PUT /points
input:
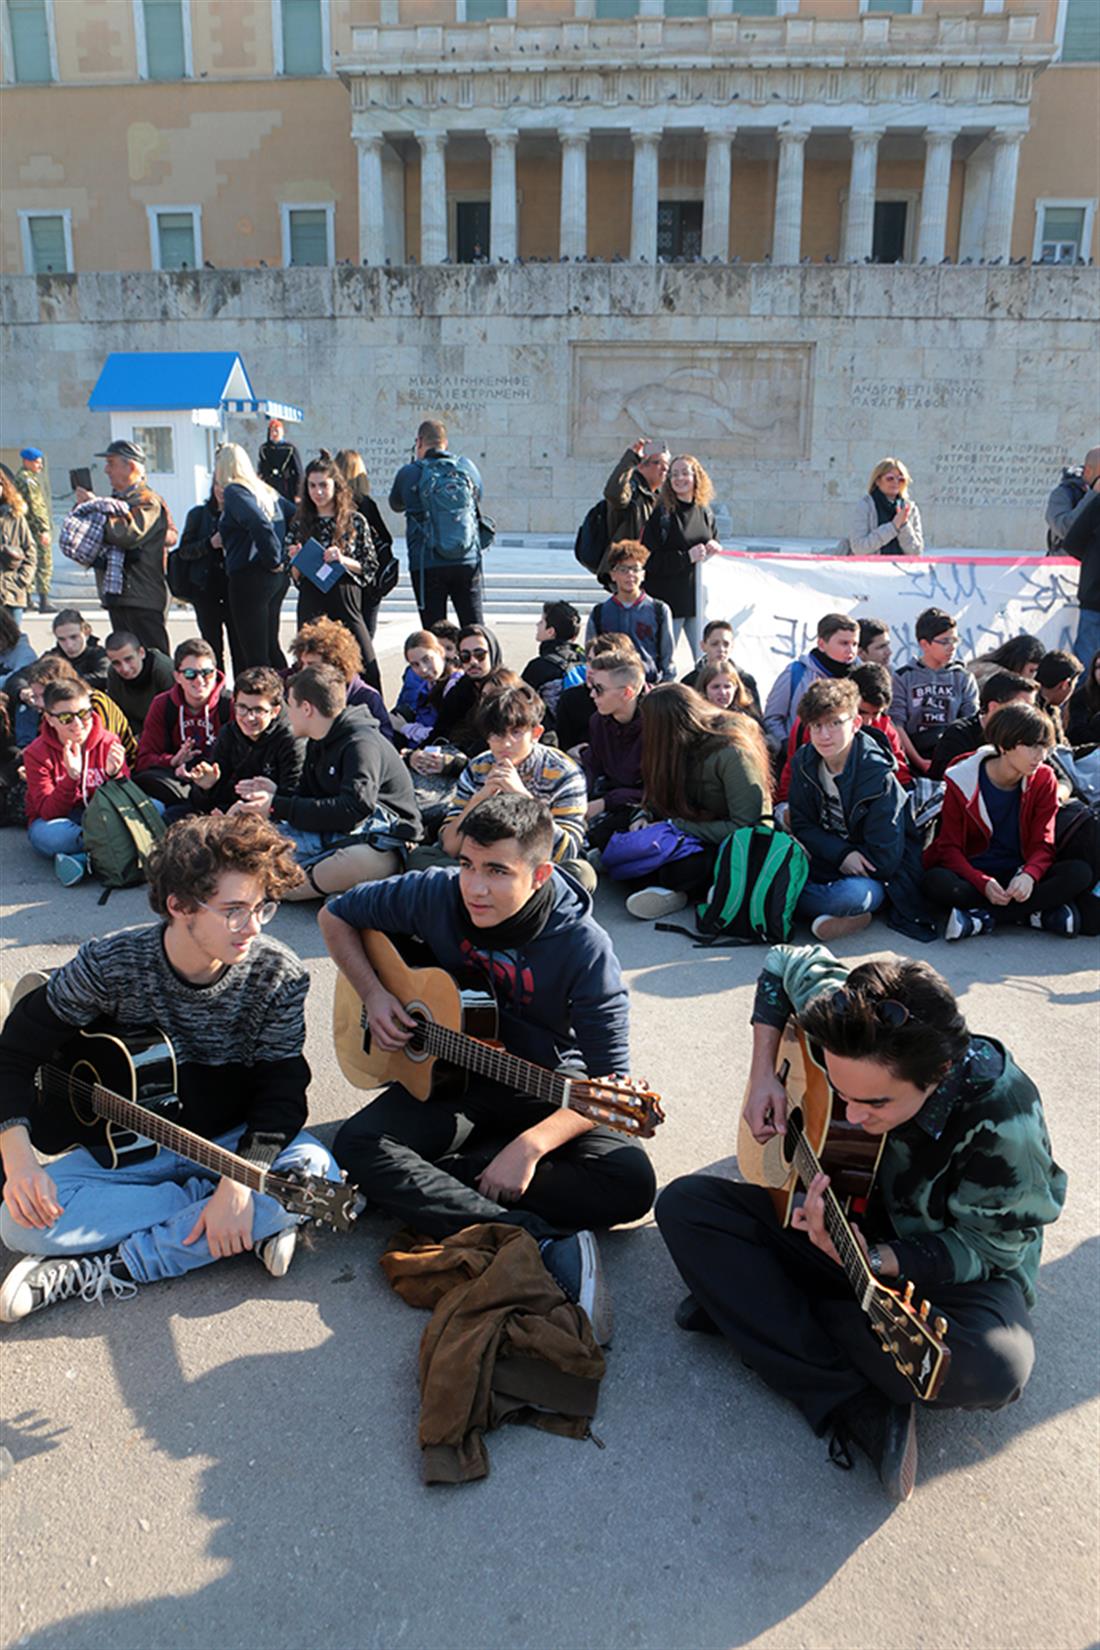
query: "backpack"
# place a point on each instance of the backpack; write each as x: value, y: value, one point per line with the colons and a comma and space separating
x: 593, y: 539
x: 758, y: 875
x: 447, y: 498
x: 630, y: 854
x: 121, y: 824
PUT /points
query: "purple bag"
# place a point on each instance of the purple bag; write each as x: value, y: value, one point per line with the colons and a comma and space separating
x: 631, y: 854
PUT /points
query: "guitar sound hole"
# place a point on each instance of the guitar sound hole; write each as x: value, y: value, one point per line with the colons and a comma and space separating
x: 83, y: 1072
x: 415, y: 1049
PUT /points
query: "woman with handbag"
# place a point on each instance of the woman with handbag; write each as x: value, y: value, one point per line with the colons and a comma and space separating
x: 706, y: 773
x: 252, y: 527
x: 354, y: 471
x: 196, y: 572
x: 327, y: 515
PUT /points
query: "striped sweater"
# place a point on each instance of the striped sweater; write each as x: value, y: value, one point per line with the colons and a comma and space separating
x: 552, y: 777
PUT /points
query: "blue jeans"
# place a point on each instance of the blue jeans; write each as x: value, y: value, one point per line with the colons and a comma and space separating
x: 1088, y: 634
x: 147, y: 1209
x: 17, y: 615
x: 57, y: 836
x: 310, y: 846
x: 846, y: 897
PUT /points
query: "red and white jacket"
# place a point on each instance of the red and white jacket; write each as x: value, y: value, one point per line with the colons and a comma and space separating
x: 52, y: 792
x: 171, y: 721
x: 964, y: 828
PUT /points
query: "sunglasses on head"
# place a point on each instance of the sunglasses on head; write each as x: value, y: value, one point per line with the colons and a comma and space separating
x: 67, y: 717
x: 192, y: 671
x: 886, y: 1010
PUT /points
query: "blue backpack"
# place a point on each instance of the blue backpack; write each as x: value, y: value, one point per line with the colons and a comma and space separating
x: 449, y: 502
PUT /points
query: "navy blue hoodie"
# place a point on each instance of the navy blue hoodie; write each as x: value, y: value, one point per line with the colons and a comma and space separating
x: 561, y: 998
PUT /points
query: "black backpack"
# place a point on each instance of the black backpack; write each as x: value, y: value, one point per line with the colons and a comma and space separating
x: 591, y: 543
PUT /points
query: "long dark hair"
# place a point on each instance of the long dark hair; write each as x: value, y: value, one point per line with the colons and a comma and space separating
x: 344, y: 511
x: 1092, y: 686
x: 1017, y: 652
x: 679, y: 729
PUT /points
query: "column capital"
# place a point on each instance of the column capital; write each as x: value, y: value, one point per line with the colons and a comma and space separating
x: 868, y: 134
x: 366, y: 142
x: 641, y: 135
x: 570, y: 139
x: 941, y: 134
x: 719, y: 134
x: 503, y: 137
x: 432, y: 139
x: 1005, y: 138
x: 793, y: 134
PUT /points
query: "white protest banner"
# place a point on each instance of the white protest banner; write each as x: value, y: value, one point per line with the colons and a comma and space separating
x: 775, y: 602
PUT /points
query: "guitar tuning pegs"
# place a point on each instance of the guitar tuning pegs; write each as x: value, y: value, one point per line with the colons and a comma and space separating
x: 924, y: 1310
x: 940, y: 1326
x: 908, y: 1295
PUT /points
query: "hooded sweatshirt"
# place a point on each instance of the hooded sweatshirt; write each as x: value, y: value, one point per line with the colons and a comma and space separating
x: 1073, y: 523
x: 612, y: 760
x: 134, y: 697
x: 172, y: 721
x: 275, y: 755
x: 52, y: 793
x: 878, y: 821
x: 456, y: 719
x: 345, y: 776
x: 547, y: 674
x: 561, y: 996
x: 927, y: 701
x: 964, y: 829
x: 782, y: 703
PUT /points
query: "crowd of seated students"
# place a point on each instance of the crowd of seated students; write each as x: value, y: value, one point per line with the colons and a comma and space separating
x: 603, y: 735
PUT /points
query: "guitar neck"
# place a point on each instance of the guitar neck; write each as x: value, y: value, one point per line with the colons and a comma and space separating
x: 836, y: 1224
x: 171, y: 1136
x: 459, y: 1049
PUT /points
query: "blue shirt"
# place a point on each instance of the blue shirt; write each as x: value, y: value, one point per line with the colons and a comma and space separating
x: 1004, y: 856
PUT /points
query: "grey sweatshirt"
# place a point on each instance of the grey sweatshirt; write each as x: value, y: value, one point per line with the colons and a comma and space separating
x: 927, y: 701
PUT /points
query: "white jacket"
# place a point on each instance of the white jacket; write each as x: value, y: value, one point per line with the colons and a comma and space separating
x: 867, y: 538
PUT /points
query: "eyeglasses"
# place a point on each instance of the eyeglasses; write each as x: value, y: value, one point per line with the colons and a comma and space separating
x: 238, y: 917
x: 474, y: 653
x: 67, y: 717
x: 197, y: 670
x: 254, y: 710
x: 886, y: 1010
x: 836, y: 726
x: 627, y: 567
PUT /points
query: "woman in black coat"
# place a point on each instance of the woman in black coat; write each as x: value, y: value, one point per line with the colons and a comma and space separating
x: 252, y: 528
x: 679, y: 533
x: 326, y: 513
x: 197, y: 572
x: 354, y: 471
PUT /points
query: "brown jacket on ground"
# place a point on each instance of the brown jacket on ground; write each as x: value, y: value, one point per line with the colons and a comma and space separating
x: 503, y: 1345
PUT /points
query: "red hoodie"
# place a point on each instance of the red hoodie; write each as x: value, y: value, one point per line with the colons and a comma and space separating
x: 51, y: 791
x: 800, y: 733
x: 171, y: 721
x: 964, y: 827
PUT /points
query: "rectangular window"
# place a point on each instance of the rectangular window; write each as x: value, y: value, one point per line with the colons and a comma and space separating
x: 616, y: 8
x: 165, y: 54
x: 307, y: 234
x: 303, y: 37
x: 685, y: 8
x: 1062, y: 235
x: 1081, y: 33
x: 679, y: 229
x: 48, y: 252
x: 755, y: 8
x: 175, y: 240
x: 30, y: 41
x: 903, y: 6
x: 484, y: 11
x: 159, y: 451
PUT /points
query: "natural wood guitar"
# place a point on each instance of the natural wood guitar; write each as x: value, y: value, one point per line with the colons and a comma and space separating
x: 456, y: 1030
x: 819, y: 1139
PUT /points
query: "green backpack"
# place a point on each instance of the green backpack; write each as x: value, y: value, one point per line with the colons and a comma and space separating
x: 758, y: 875
x: 120, y: 826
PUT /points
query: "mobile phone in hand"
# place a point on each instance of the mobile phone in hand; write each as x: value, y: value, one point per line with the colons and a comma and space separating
x: 81, y: 478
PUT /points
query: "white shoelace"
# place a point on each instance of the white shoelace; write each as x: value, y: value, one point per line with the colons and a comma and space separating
x: 87, y: 1276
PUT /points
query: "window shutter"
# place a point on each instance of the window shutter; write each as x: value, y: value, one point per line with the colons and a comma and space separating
x: 309, y: 237
x: 1081, y: 39
x: 905, y: 7
x: 754, y: 8
x: 303, y: 51
x: 164, y: 55
x: 176, y: 235
x: 30, y: 41
x: 481, y: 11
x: 685, y: 8
x: 616, y: 8
x: 48, y: 245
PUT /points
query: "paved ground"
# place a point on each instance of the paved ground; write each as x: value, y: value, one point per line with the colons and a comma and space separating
x: 232, y: 1461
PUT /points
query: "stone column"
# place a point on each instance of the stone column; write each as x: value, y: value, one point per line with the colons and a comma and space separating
x: 859, y: 231
x: 787, y: 238
x: 643, y: 211
x: 502, y: 207
x: 932, y: 240
x: 433, y: 196
x: 372, y: 214
x: 1002, y: 195
x: 716, y: 195
x: 573, y: 242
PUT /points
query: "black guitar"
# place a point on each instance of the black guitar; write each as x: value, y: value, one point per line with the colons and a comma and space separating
x: 114, y: 1092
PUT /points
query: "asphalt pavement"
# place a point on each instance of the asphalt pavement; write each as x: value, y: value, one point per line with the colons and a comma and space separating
x: 232, y: 1460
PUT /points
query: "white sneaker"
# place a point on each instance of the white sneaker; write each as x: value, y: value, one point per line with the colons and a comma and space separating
x: 277, y: 1252
x: 42, y: 1280
x: 650, y: 903
x: 835, y: 928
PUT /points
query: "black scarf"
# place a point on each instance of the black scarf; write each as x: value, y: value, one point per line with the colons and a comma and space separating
x: 885, y: 508
x: 831, y: 667
x: 517, y: 931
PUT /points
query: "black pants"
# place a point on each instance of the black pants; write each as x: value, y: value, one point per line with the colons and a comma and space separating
x: 418, y: 1160
x: 145, y: 623
x: 163, y: 785
x: 691, y: 875
x: 214, y: 622
x: 344, y: 604
x: 1063, y: 882
x: 791, y: 1315
x: 255, y: 608
x: 461, y: 582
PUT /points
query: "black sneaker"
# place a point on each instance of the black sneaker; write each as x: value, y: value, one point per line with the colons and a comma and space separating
x: 43, y: 1280
x: 694, y: 1318
x: 574, y: 1264
x: 886, y: 1433
x: 1060, y: 919
x: 963, y: 925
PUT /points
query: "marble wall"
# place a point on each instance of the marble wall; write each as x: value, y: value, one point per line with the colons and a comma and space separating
x: 787, y: 384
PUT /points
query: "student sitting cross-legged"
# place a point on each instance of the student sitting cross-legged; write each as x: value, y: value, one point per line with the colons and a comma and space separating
x: 68, y: 762
x: 517, y: 764
x: 257, y: 743
x: 992, y: 860
x: 560, y: 662
x: 232, y: 1003
x: 502, y: 920
x: 182, y: 724
x: 834, y: 655
x: 852, y: 816
x: 353, y: 808
x: 612, y: 758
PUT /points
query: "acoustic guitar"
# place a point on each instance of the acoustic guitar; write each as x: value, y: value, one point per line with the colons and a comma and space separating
x: 819, y: 1139
x: 456, y: 1031
x: 114, y: 1092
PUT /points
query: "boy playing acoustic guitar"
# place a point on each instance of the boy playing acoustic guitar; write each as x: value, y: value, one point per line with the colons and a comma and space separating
x: 965, y: 1185
x: 232, y: 1003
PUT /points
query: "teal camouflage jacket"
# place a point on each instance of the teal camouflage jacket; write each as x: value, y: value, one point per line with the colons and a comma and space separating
x: 967, y: 1185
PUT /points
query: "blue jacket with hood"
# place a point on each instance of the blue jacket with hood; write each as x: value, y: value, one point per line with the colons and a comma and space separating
x: 561, y: 998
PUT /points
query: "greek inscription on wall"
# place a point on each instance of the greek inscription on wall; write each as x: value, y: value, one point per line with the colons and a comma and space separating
x: 462, y: 396
x: 993, y: 472
x: 918, y: 396
x: 732, y: 401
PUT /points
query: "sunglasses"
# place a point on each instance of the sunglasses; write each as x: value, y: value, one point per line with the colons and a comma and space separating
x: 68, y: 717
x: 886, y: 1010
x: 193, y: 671
x: 475, y: 653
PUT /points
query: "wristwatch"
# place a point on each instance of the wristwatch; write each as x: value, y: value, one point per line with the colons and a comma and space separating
x: 874, y: 1259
